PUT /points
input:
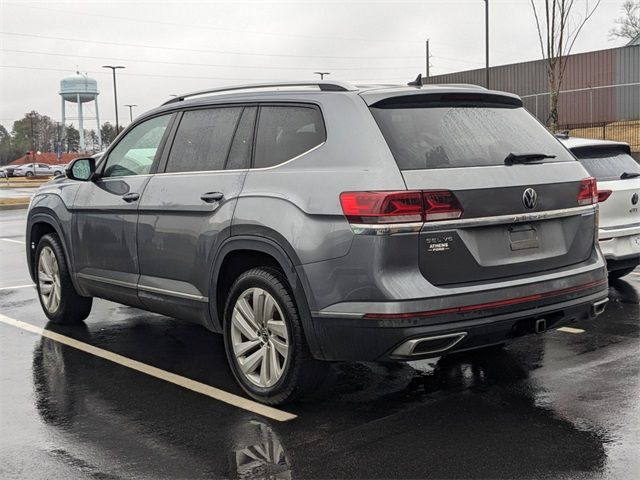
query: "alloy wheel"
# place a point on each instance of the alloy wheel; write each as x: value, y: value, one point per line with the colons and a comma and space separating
x: 259, y: 337
x: 49, y: 279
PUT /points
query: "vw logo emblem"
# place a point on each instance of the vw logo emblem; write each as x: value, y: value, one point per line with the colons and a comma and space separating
x: 634, y: 199
x: 530, y: 198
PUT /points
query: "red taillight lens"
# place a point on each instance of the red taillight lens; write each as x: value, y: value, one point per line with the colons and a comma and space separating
x: 382, y: 207
x: 588, y: 193
x: 603, y: 195
x: 400, y: 206
x: 441, y: 205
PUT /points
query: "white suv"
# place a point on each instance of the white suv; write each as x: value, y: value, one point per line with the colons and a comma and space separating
x: 618, y: 176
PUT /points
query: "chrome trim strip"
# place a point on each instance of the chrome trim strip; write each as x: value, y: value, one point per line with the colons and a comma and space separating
x: 162, y: 291
x: 172, y: 293
x: 237, y: 170
x: 407, y: 348
x: 511, y: 218
x: 110, y: 281
x: 385, y: 229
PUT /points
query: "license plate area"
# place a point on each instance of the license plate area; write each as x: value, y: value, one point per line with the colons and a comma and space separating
x: 523, y: 237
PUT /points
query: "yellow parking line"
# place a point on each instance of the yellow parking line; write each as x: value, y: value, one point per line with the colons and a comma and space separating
x: 16, y: 287
x: 570, y: 330
x: 204, y: 389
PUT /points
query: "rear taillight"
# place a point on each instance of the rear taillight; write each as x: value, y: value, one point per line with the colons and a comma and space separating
x: 603, y: 195
x: 441, y: 205
x: 588, y: 193
x: 400, y: 206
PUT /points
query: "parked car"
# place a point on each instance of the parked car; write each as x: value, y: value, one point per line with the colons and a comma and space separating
x: 314, y: 222
x: 618, y: 176
x: 38, y: 169
x: 7, y: 171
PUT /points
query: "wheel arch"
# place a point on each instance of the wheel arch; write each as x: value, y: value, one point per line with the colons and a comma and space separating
x: 262, y: 249
x: 41, y: 223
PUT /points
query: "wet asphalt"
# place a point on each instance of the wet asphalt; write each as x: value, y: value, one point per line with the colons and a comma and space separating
x: 558, y: 405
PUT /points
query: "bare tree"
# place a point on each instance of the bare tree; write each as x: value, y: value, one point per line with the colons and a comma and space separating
x: 628, y: 25
x: 558, y: 31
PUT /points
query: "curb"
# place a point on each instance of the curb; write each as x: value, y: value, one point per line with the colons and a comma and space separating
x: 15, y: 206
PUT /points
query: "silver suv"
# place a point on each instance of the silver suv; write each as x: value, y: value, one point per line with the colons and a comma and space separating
x: 315, y: 222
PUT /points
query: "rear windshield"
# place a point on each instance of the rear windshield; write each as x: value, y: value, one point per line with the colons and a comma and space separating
x: 462, y: 135
x: 607, y: 164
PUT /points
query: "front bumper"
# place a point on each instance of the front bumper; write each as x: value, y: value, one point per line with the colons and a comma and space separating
x: 401, y: 339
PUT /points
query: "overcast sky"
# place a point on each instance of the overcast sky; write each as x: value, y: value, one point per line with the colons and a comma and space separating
x: 171, y: 47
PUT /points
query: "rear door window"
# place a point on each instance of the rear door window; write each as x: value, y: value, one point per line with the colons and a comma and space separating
x: 607, y: 164
x: 203, y: 139
x: 240, y: 153
x: 285, y: 132
x: 428, y: 135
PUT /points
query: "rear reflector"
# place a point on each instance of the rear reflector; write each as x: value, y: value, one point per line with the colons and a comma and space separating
x: 603, y: 195
x: 400, y: 206
x: 487, y: 306
x: 588, y: 193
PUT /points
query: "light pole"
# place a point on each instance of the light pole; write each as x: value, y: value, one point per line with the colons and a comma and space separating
x: 131, y: 111
x: 486, y: 41
x: 322, y: 74
x: 115, y: 91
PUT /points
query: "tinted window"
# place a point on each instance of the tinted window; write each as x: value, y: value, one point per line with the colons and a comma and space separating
x: 240, y: 153
x: 286, y: 132
x: 134, y: 154
x: 203, y: 139
x: 462, y: 135
x: 607, y: 164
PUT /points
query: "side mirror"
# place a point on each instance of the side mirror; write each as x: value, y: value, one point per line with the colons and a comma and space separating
x: 81, y: 169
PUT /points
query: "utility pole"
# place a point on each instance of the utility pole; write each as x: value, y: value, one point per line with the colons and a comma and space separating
x: 322, y: 74
x: 486, y: 40
x: 115, y: 92
x: 33, y: 144
x: 131, y: 111
x: 427, y: 59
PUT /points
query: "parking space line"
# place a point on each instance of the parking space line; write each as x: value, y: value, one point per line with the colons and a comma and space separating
x: 570, y: 330
x: 16, y: 287
x: 204, y: 389
x: 12, y: 240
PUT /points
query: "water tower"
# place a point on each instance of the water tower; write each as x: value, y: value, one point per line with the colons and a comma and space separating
x: 80, y: 89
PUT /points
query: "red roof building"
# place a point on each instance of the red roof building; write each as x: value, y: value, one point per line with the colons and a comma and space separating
x: 50, y: 158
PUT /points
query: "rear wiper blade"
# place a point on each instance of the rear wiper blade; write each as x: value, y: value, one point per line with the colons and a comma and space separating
x: 514, y: 158
x: 626, y: 175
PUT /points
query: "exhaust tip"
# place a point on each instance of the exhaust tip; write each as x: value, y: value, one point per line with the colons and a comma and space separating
x: 599, y: 307
x: 428, y: 345
x: 541, y: 325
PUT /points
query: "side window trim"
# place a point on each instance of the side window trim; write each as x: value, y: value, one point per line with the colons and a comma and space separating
x: 164, y: 159
x: 233, y: 137
x: 314, y: 106
x: 159, y: 153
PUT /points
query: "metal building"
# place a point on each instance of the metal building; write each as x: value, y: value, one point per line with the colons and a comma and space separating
x: 598, y: 87
x: 79, y: 89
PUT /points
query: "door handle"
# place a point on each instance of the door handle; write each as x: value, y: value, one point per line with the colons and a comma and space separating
x: 211, y: 197
x: 130, y: 197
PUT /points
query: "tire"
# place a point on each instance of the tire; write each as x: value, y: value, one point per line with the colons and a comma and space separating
x: 56, y: 173
x: 616, y: 274
x: 28, y: 174
x: 264, y: 369
x: 61, y: 303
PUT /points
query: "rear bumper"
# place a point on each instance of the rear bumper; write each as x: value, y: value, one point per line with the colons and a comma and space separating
x: 411, y: 338
x: 621, y: 250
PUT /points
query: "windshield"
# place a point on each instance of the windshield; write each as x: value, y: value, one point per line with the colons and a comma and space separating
x: 463, y: 135
x: 607, y: 164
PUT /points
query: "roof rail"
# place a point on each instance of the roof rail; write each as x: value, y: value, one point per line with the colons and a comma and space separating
x: 329, y: 86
